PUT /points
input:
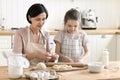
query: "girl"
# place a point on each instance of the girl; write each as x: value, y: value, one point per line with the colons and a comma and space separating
x: 71, y: 43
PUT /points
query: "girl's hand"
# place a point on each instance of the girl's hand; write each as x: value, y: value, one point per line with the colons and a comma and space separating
x: 78, y: 60
x: 67, y: 59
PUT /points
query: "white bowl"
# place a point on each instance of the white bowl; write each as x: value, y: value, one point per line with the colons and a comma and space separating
x: 95, y: 67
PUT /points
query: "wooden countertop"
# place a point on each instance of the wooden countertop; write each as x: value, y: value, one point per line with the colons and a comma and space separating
x: 7, y: 32
x: 112, y: 73
x: 103, y: 31
x: 53, y: 32
x: 98, y: 31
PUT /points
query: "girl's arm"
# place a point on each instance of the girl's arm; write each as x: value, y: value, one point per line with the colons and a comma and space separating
x: 86, y: 53
x: 61, y: 56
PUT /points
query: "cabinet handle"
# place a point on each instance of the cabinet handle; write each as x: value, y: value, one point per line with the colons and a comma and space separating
x: 103, y: 36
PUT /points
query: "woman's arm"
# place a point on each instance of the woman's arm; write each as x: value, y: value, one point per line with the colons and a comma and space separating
x: 43, y: 56
x: 18, y: 43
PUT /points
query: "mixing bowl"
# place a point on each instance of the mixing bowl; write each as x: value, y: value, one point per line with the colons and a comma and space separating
x: 95, y: 67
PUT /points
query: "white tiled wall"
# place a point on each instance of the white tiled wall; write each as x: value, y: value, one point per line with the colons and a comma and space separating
x: 14, y: 12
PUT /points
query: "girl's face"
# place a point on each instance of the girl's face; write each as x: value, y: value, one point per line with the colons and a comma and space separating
x: 72, y: 25
x: 38, y: 21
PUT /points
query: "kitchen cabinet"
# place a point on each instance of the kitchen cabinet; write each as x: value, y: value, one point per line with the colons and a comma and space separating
x: 118, y: 47
x: 5, y: 42
x: 97, y: 43
x: 101, y: 42
x: 5, y: 45
x: 106, y: 42
x: 91, y: 45
x: 3, y: 60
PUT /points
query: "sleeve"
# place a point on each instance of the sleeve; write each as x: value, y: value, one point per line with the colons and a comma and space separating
x: 59, y: 36
x: 85, y: 38
x: 18, y: 43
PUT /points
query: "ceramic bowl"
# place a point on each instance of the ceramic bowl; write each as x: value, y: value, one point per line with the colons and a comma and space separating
x: 95, y: 67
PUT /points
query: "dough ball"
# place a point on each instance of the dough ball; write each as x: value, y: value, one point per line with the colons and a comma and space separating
x: 41, y: 66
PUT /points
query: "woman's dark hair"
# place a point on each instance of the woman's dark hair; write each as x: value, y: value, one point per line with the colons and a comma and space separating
x: 35, y: 10
x: 72, y: 14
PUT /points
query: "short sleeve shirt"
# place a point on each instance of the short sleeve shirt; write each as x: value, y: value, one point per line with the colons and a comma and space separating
x: 64, y: 34
x: 21, y: 40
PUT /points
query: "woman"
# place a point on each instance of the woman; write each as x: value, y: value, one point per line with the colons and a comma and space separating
x: 32, y: 41
x: 71, y: 43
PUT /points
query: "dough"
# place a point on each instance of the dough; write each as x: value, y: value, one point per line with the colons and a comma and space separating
x: 41, y: 66
x: 62, y: 67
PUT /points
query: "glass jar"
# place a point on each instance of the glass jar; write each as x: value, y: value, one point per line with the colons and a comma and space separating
x: 15, y: 66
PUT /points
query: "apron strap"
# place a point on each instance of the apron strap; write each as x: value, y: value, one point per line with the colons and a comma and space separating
x: 28, y: 34
x: 44, y: 37
x: 63, y: 36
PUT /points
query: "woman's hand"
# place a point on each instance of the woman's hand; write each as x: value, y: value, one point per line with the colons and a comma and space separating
x: 54, y: 57
x: 44, y: 56
x: 39, y: 55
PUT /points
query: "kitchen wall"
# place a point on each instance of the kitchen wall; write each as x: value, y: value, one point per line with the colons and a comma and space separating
x: 13, y: 12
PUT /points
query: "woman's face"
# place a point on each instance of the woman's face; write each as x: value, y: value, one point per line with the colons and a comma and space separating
x: 72, y: 25
x: 38, y: 21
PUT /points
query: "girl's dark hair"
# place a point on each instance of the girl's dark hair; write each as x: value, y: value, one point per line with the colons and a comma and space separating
x: 72, y: 14
x: 35, y: 10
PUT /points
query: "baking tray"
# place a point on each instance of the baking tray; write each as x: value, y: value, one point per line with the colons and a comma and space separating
x: 73, y: 69
x: 50, y: 64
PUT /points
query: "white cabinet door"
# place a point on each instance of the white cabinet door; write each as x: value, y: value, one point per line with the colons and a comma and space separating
x: 5, y: 42
x: 91, y: 45
x: 118, y: 48
x: 3, y: 60
x: 5, y: 45
x: 97, y: 43
x: 105, y: 42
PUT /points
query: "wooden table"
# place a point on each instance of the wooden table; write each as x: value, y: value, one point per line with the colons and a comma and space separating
x: 113, y: 73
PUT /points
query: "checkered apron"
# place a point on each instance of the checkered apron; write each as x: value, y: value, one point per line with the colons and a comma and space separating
x: 72, y: 48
